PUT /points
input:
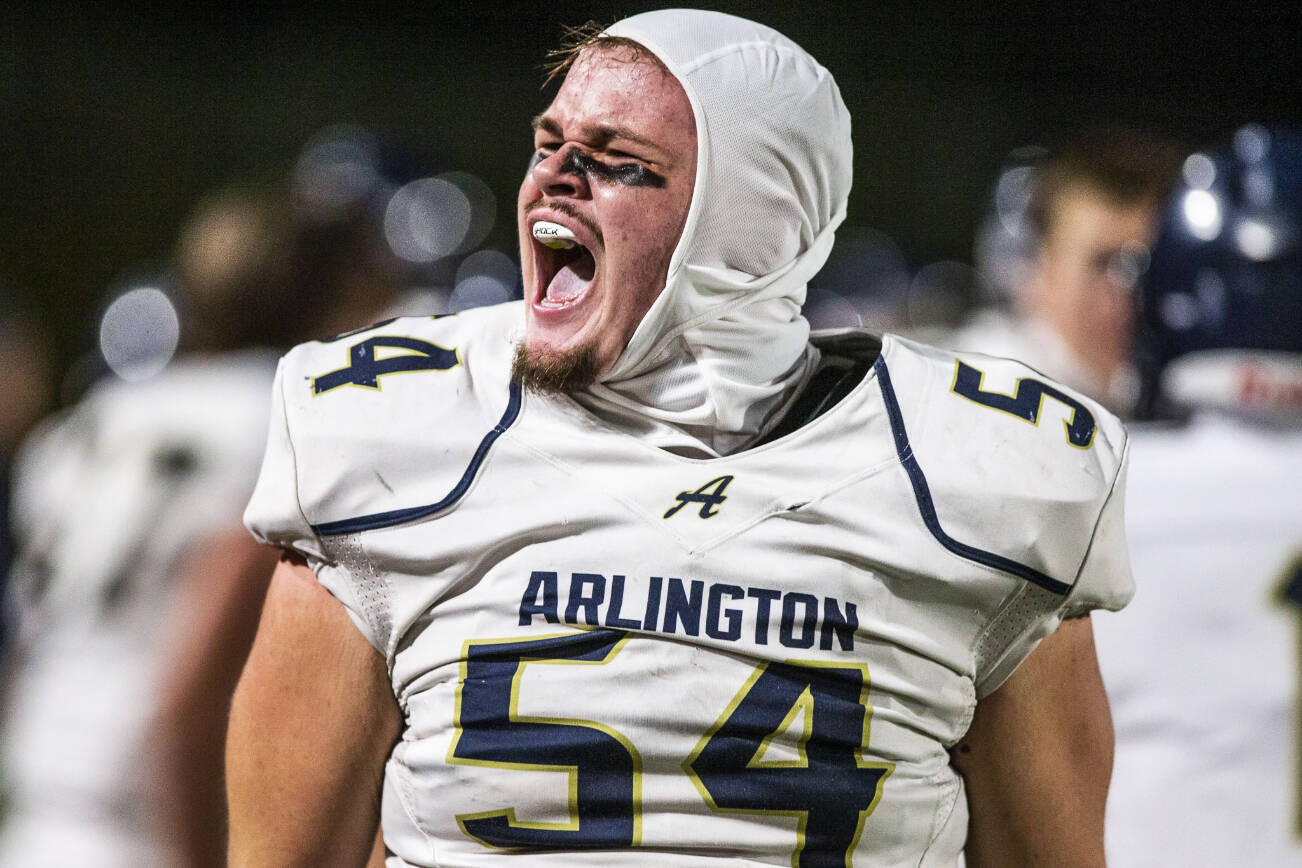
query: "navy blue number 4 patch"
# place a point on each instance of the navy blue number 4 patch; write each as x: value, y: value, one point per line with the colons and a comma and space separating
x: 365, y: 368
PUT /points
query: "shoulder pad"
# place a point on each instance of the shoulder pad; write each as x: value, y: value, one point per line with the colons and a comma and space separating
x: 1008, y: 462
x: 390, y: 416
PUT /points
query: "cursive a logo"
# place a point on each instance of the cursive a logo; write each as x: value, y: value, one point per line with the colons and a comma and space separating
x: 709, y: 496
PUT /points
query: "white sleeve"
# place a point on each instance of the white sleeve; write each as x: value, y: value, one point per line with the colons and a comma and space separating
x: 275, y: 513
x: 1105, y: 580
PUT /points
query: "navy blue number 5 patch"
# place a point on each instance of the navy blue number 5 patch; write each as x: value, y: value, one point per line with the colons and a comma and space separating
x: 1027, y: 402
x: 366, y: 366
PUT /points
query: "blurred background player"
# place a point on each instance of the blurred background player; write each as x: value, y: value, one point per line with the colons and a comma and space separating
x: 26, y: 361
x: 112, y: 500
x: 1067, y: 239
x: 1202, y: 669
x: 136, y: 590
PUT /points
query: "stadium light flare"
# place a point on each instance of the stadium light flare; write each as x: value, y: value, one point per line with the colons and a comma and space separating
x: 139, y: 332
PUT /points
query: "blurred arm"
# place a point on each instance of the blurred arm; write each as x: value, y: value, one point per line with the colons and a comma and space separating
x: 220, y: 587
x: 312, y: 724
x: 1037, y: 760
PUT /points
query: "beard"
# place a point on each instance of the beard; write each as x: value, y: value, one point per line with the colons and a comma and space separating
x: 549, y: 372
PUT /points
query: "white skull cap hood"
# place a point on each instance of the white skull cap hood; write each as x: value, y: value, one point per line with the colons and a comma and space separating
x: 724, y: 346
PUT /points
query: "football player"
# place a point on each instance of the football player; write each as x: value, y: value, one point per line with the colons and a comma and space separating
x: 112, y: 709
x: 1067, y: 243
x: 26, y: 357
x: 136, y: 589
x: 1202, y: 670
x: 637, y: 572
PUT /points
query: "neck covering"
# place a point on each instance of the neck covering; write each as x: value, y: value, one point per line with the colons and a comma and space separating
x: 724, y: 348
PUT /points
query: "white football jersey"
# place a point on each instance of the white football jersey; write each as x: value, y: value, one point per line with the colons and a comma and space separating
x: 1202, y: 670
x: 610, y: 654
x: 108, y: 498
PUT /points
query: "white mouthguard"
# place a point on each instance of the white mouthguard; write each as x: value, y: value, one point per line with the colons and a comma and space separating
x: 554, y: 235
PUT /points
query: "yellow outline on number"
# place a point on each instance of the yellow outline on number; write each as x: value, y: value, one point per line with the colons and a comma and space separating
x: 1017, y: 388
x: 801, y: 816
x: 515, y: 717
x: 803, y: 704
x: 406, y: 352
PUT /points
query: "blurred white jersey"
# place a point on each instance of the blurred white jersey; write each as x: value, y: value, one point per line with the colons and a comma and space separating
x: 109, y: 497
x: 1202, y: 669
x: 1029, y: 340
x: 608, y: 654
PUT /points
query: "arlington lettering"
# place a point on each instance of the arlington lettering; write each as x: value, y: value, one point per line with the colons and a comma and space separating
x: 722, y: 611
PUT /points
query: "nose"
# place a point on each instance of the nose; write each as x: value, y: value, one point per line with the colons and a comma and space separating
x: 559, y: 174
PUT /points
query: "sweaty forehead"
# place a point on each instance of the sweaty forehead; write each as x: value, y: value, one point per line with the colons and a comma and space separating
x: 621, y: 58
x: 619, y: 92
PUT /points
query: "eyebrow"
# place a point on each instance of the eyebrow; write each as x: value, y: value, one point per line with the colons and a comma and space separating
x: 601, y: 133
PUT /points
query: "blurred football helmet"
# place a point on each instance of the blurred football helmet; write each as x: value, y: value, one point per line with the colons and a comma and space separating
x: 1221, y: 317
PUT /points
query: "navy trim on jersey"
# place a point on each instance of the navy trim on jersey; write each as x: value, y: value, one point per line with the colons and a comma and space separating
x: 928, y: 508
x: 411, y: 513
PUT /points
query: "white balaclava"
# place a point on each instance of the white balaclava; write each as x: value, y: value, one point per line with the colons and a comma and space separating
x: 724, y: 348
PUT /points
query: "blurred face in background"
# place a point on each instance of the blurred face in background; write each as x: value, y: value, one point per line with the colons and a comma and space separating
x: 1086, y: 274
x: 615, y: 163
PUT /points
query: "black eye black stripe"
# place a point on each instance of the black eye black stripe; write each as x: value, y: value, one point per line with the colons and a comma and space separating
x: 627, y: 174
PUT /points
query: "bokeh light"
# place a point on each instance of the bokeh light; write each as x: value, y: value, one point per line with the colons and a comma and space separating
x: 139, y: 332
x: 1202, y: 214
x: 432, y: 218
x: 1256, y: 239
x: 1199, y: 171
x: 484, y: 277
x: 1252, y: 143
x: 427, y: 219
x: 483, y: 208
x: 1259, y: 186
x: 337, y: 170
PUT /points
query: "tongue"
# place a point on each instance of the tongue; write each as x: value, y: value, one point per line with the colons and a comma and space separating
x: 566, y: 286
x: 570, y: 282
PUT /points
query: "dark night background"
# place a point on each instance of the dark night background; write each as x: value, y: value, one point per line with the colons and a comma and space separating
x: 115, y: 120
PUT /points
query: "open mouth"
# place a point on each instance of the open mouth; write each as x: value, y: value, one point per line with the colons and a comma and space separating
x: 564, y: 275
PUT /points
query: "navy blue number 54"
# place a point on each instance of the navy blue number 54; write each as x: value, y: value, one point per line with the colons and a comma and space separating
x: 790, y: 743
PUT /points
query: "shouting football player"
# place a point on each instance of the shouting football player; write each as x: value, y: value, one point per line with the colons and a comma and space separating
x: 638, y: 571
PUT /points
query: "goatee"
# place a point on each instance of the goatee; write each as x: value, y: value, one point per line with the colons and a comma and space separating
x: 548, y: 372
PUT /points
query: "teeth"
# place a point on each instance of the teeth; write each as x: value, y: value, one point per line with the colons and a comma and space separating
x: 554, y: 235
